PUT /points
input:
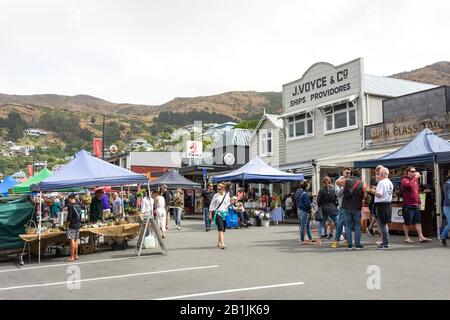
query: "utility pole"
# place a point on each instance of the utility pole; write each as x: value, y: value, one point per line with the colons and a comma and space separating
x: 103, y: 139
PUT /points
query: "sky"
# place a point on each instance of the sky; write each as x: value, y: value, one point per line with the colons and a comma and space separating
x: 149, y: 52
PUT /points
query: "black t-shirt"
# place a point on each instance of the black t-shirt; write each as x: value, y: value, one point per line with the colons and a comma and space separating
x: 74, y: 216
x: 207, y: 198
x: 167, y: 197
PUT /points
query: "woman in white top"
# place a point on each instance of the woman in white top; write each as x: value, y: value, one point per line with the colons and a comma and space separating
x: 160, y: 208
x: 218, y: 210
x: 147, y: 204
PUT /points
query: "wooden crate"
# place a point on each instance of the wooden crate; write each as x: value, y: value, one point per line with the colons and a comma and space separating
x: 86, y: 248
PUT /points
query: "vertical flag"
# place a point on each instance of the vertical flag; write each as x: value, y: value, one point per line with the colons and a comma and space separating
x: 30, y: 170
x: 97, y: 147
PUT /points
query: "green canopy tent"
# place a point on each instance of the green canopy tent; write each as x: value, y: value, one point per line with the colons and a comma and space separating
x: 14, y: 214
x: 25, y: 186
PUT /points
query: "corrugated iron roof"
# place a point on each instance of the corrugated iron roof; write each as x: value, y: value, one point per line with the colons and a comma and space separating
x: 234, y: 137
x: 391, y: 87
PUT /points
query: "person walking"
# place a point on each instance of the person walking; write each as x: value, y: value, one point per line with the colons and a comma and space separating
x: 160, y: 208
x: 383, y: 199
x: 205, y: 202
x: 340, y: 221
x: 178, y: 203
x: 411, y: 204
x: 326, y: 201
x: 147, y: 204
x: 218, y: 211
x: 304, y: 208
x: 168, y: 198
x: 444, y: 233
x: 74, y: 221
x: 354, y: 193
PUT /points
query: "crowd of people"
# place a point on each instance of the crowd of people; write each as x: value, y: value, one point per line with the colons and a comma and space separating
x: 350, y: 206
x: 342, y: 209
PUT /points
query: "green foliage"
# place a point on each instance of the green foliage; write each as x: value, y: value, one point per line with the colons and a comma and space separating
x: 15, y: 125
x: 275, y: 102
x: 184, y: 118
x: 92, y: 119
x: 66, y: 126
x: 247, y: 124
x: 112, y: 133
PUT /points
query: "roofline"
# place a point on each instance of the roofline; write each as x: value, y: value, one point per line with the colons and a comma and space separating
x: 408, y: 94
x: 322, y: 62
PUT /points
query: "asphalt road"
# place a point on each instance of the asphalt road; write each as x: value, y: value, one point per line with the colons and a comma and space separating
x: 258, y: 263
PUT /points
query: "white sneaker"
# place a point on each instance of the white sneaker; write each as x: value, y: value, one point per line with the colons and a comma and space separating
x: 178, y: 228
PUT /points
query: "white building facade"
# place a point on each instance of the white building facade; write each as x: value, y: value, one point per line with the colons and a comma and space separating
x: 324, y: 117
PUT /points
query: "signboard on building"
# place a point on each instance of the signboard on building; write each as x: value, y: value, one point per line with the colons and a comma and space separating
x: 403, y: 130
x: 194, y: 149
x: 323, y: 83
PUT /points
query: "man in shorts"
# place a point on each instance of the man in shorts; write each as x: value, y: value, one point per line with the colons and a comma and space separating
x: 411, y: 204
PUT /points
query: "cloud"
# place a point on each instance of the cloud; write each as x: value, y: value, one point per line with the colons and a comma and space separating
x: 152, y: 51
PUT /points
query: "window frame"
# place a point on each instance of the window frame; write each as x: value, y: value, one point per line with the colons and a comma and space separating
x: 265, y: 141
x: 309, y: 116
x: 350, y: 106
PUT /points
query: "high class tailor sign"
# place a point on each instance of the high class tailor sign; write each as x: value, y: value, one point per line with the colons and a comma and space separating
x: 321, y: 83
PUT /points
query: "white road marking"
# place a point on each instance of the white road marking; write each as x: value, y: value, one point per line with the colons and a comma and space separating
x: 106, y: 278
x: 233, y: 290
x: 73, y: 263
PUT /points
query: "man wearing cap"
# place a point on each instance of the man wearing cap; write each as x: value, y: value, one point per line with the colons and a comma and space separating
x: 96, y: 207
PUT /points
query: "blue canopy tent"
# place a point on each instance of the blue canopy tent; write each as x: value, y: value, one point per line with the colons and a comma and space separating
x: 425, y: 148
x: 173, y: 179
x: 88, y: 171
x: 7, y: 184
x: 257, y: 171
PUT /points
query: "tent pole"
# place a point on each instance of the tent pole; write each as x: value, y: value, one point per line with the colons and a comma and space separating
x: 121, y: 197
x: 437, y: 190
x: 39, y: 226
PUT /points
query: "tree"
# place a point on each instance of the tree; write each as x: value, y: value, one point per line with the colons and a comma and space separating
x: 92, y: 119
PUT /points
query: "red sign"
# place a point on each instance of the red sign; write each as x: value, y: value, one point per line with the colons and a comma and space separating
x: 30, y: 170
x: 97, y: 147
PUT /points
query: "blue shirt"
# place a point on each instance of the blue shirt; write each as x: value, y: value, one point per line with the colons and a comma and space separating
x: 303, y: 202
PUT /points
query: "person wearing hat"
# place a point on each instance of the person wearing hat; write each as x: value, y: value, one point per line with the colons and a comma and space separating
x: 444, y: 233
x: 96, y: 207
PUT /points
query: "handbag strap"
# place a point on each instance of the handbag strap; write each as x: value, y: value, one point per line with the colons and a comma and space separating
x: 223, y: 199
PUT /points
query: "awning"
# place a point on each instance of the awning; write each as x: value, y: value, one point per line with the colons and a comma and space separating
x: 306, y: 168
x: 347, y: 160
x: 321, y: 105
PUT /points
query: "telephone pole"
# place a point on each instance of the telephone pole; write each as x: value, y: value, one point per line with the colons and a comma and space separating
x: 103, y: 139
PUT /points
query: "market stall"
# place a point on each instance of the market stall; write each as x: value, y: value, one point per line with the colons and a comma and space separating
x: 258, y: 171
x: 87, y: 171
x: 24, y: 187
x: 7, y: 184
x: 424, y: 152
x: 174, y: 180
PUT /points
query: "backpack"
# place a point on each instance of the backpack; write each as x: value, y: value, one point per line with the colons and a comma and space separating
x: 348, y: 193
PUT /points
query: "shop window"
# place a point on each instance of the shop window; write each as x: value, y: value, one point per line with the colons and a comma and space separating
x: 340, y: 117
x: 300, y: 125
